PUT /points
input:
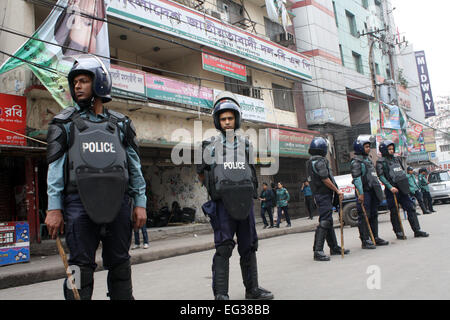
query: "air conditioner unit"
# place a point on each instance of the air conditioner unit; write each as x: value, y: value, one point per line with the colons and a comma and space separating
x: 216, y: 14
x: 285, y: 38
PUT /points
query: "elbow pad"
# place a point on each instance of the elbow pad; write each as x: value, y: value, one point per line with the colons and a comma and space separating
x: 379, y: 168
x: 356, y: 169
x: 321, y: 168
x: 130, y: 134
x: 57, y: 142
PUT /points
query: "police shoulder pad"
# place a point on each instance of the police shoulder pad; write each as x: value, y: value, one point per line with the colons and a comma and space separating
x: 64, y: 115
x: 118, y: 115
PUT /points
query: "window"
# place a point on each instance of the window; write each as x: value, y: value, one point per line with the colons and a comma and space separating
x: 239, y: 87
x: 445, y: 148
x: 365, y: 3
x: 282, y: 98
x: 351, y: 23
x: 358, y: 62
x: 272, y: 29
x: 379, y: 9
x: 335, y: 15
x: 234, y: 11
x: 388, y: 73
x: 342, y: 54
x: 377, y: 69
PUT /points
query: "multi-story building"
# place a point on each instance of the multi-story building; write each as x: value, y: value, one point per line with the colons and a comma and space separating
x: 168, y: 61
x: 354, y: 51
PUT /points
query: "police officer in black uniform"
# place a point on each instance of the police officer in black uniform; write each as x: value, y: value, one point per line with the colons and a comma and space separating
x: 94, y: 179
x: 370, y: 192
x: 228, y: 174
x: 326, y: 195
x: 391, y: 172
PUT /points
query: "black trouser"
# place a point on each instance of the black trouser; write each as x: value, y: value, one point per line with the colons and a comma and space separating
x: 407, y: 205
x: 263, y: 215
x: 419, y: 197
x: 309, y: 206
x: 286, y: 215
x: 428, y: 200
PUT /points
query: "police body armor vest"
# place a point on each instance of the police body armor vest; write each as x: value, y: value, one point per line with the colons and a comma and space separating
x: 396, y: 175
x: 231, y: 179
x: 315, y: 181
x: 370, y: 179
x: 97, y: 167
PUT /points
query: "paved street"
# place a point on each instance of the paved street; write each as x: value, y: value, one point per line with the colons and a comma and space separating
x: 412, y: 269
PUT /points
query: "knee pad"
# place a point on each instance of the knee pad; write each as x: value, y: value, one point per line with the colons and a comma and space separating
x: 84, y: 281
x: 119, y: 282
x: 225, y: 250
x: 326, y: 224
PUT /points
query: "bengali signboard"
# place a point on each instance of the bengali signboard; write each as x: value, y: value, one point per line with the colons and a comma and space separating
x: 127, y: 83
x: 180, y: 21
x: 252, y: 109
x: 224, y: 67
x: 165, y: 89
x: 13, y: 115
x: 425, y: 86
x: 429, y: 139
x: 292, y: 142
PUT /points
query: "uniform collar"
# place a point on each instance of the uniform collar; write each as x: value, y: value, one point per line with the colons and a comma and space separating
x: 89, y: 112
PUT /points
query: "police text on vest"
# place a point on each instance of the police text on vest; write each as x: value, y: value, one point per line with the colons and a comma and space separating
x: 99, y: 147
x: 234, y: 165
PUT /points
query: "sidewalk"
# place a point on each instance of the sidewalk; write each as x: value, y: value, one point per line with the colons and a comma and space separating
x: 164, y: 243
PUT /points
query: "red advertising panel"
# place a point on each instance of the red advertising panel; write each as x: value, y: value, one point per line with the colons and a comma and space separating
x: 13, y: 116
x: 224, y: 67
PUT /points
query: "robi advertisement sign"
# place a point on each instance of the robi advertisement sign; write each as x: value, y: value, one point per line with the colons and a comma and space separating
x: 13, y: 115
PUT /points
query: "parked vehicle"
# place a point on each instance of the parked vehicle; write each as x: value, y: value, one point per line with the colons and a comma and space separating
x: 439, y: 185
x: 349, y: 211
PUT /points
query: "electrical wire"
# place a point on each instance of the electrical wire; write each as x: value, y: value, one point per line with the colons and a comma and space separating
x: 165, y: 70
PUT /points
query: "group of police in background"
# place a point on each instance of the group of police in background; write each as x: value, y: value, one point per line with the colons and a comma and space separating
x: 366, y: 179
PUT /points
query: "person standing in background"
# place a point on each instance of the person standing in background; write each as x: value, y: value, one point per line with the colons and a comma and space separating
x: 309, y: 204
x: 282, y: 204
x: 266, y: 198
x: 425, y: 189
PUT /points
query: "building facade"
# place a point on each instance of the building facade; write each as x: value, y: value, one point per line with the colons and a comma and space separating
x: 168, y: 61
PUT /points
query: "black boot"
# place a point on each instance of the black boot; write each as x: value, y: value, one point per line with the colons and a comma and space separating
x: 420, y: 234
x: 249, y: 272
x: 119, y: 282
x: 220, y: 271
x: 374, y: 226
x: 366, y: 243
x: 86, y: 283
x: 319, y: 242
x: 335, y: 249
x: 413, y: 221
x: 400, y: 235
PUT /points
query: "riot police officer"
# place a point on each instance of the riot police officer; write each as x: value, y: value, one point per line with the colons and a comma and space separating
x: 94, y: 179
x: 369, y: 193
x: 228, y: 173
x: 326, y: 195
x: 391, y: 172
